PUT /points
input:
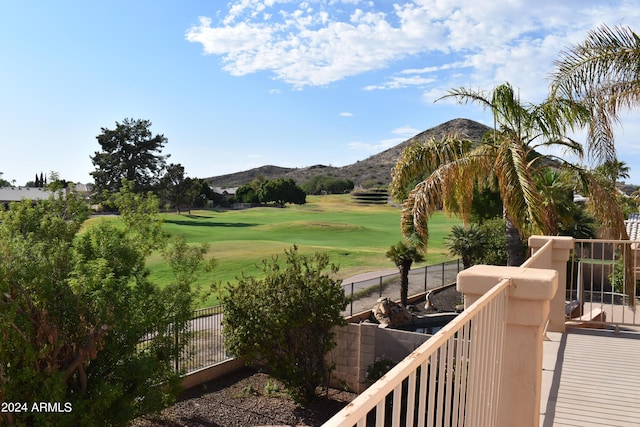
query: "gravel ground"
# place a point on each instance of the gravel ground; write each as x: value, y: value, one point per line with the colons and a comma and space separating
x: 243, y: 399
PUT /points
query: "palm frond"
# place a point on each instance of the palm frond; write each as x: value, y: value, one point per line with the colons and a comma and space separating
x: 603, y: 73
x: 420, y: 159
x: 607, y: 54
x: 448, y: 187
x: 518, y: 190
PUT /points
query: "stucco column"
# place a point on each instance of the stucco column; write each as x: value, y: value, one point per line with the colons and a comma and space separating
x: 530, y: 294
x: 561, y: 251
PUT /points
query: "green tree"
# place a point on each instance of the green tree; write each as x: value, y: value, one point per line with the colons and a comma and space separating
x: 285, y: 321
x: 323, y: 184
x: 469, y: 243
x: 55, y: 183
x: 80, y: 320
x: 613, y: 170
x: 281, y: 191
x: 496, y: 242
x: 403, y: 256
x: 132, y: 152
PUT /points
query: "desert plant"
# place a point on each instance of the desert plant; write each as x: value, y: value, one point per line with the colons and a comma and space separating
x: 469, y: 243
x: 403, y: 256
x: 285, y: 321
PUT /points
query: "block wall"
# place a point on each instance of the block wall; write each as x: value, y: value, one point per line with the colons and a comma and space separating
x: 359, y: 345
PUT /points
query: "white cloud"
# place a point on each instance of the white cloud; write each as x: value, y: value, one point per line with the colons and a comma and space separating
x: 401, y: 82
x: 377, y: 147
x: 407, y: 131
x: 318, y: 42
x: 346, y: 114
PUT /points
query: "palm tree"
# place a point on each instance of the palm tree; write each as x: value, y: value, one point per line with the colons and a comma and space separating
x: 602, y: 72
x: 469, y: 243
x: 403, y: 256
x: 448, y: 170
x: 613, y: 170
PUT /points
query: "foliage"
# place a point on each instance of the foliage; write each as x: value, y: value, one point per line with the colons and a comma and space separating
x: 448, y: 170
x: 496, y: 242
x: 130, y: 151
x: 618, y: 278
x: 281, y: 191
x: 469, y: 243
x: 246, y: 194
x: 76, y: 306
x: 180, y: 191
x: 403, y: 256
x: 601, y: 72
x: 323, y: 184
x: 486, y: 205
x: 285, y: 321
x: 378, y: 368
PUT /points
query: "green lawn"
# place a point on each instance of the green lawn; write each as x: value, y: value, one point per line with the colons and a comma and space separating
x: 355, y: 235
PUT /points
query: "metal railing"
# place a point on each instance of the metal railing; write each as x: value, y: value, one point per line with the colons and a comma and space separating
x: 452, y: 379
x: 364, y: 294
x: 600, y: 275
x: 206, y: 345
x: 206, y: 342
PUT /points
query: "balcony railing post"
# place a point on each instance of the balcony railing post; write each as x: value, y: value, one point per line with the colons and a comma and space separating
x: 560, y: 248
x: 528, y: 309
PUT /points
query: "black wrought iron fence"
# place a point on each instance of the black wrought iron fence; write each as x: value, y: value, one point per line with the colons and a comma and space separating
x: 206, y: 342
x: 364, y: 294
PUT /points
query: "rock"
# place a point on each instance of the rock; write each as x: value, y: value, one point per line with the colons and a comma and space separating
x: 391, y: 314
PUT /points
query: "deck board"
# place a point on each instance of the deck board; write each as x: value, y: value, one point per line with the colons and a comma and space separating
x: 591, y: 378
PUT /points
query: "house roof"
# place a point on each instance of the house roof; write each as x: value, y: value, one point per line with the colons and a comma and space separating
x: 15, y: 194
x: 633, y: 226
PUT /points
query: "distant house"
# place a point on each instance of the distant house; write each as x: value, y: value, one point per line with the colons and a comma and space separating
x: 633, y: 226
x: 15, y: 194
x: 226, y: 192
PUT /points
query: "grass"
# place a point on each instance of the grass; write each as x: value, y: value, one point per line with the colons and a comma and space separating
x: 356, y: 236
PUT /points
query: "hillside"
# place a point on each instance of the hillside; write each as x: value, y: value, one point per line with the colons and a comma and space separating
x: 373, y: 171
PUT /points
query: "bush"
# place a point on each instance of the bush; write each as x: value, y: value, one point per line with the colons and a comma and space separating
x: 75, y: 307
x: 496, y: 242
x: 469, y: 243
x: 285, y: 321
x: 322, y: 184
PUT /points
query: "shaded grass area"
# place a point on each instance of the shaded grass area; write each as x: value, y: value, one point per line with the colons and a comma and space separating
x: 355, y: 235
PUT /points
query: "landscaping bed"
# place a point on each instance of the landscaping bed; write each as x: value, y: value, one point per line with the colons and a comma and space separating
x: 243, y: 399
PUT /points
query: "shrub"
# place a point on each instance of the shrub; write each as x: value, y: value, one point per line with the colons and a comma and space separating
x: 75, y: 306
x: 323, y: 184
x: 285, y: 321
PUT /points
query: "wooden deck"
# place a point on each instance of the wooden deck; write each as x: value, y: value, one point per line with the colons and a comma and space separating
x: 591, y: 377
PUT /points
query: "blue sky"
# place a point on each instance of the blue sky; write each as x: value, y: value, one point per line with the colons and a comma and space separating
x: 239, y: 84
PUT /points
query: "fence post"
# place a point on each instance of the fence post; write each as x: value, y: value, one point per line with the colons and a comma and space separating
x: 351, y: 310
x: 442, y: 284
x: 425, y: 277
x: 380, y: 288
x: 176, y: 341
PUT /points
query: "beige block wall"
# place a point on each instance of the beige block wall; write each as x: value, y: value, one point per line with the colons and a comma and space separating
x: 359, y: 345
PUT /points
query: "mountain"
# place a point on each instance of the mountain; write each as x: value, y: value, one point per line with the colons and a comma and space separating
x: 373, y: 171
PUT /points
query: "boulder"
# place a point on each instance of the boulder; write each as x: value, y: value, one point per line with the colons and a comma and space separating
x: 391, y: 314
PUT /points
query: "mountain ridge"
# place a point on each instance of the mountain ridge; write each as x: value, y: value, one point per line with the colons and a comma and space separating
x: 373, y: 171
